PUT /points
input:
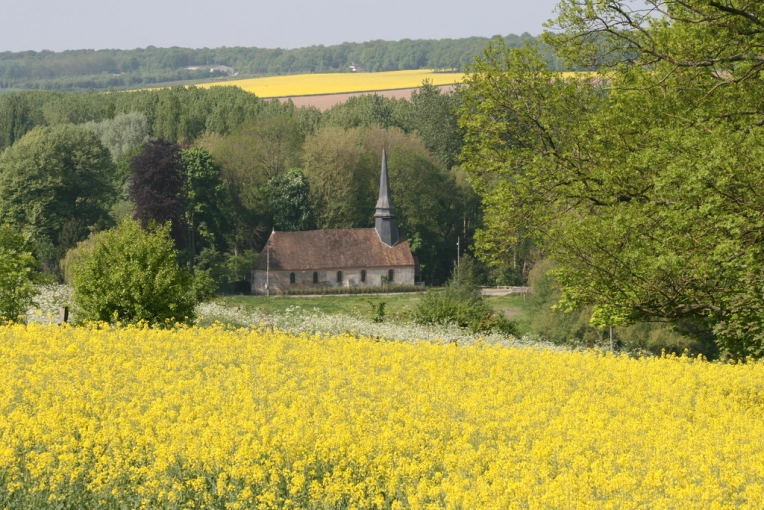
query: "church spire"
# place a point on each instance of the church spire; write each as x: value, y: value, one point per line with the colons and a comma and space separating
x: 384, y: 218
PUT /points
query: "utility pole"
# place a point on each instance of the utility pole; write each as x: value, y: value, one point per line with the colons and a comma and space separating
x: 611, y: 338
x: 458, y: 251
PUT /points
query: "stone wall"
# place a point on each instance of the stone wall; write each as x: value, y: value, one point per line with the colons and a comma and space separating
x: 351, y: 277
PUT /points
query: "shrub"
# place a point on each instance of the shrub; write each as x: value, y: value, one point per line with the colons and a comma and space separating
x: 466, y: 310
x: 132, y: 275
x: 462, y: 304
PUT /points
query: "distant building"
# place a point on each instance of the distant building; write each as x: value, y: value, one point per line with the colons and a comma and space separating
x: 348, y: 257
x: 230, y: 71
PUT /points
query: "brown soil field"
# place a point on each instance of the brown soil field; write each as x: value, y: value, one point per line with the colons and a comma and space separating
x: 326, y: 101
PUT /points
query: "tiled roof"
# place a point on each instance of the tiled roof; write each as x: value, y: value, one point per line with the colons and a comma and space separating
x: 333, y: 249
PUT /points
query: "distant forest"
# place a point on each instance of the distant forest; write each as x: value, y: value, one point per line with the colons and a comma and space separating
x: 128, y: 69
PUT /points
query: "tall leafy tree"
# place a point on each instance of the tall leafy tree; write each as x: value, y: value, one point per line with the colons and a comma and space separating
x: 289, y: 201
x: 433, y: 118
x: 157, y: 186
x: 205, y: 201
x: 122, y: 133
x: 54, y: 184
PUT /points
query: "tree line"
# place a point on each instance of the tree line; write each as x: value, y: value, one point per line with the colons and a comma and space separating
x: 104, y: 69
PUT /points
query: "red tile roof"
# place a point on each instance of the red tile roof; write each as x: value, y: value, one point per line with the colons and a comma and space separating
x: 333, y: 249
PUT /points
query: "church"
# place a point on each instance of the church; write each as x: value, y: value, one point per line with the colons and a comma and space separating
x: 343, y: 257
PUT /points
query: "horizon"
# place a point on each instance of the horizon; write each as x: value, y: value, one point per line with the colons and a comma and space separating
x: 41, y: 25
x: 151, y: 46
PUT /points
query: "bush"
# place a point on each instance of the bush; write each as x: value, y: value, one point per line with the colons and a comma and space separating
x: 462, y: 304
x: 19, y: 271
x: 469, y: 311
x: 131, y: 275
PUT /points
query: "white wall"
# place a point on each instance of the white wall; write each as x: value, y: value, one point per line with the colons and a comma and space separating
x: 279, y: 280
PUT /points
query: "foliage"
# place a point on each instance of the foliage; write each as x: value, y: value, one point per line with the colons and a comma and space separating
x: 75, y: 256
x: 19, y: 271
x: 256, y: 152
x: 175, y: 114
x: 293, y: 426
x: 377, y: 310
x: 131, y: 275
x: 461, y: 303
x: 54, y: 184
x: 205, y: 201
x: 434, y: 119
x: 157, y: 187
x: 289, y: 202
x: 575, y: 327
x: 642, y: 182
x: 122, y: 134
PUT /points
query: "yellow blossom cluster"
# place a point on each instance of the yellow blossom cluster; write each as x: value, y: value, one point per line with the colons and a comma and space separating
x: 111, y: 417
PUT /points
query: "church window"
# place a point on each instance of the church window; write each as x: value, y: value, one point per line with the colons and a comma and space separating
x: 291, y: 278
x: 390, y: 275
x: 315, y: 277
x: 339, y: 276
x: 363, y: 275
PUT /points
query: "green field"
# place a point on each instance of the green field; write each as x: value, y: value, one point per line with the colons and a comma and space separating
x: 398, y: 306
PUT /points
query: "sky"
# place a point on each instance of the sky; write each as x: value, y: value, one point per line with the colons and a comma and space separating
x: 126, y: 24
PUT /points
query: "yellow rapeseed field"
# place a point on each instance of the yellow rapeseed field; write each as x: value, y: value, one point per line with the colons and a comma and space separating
x: 333, y: 83
x: 214, y: 418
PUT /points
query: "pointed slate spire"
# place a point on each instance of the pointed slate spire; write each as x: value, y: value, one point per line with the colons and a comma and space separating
x: 384, y: 218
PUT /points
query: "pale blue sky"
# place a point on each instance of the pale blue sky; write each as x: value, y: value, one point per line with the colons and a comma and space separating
x: 125, y: 24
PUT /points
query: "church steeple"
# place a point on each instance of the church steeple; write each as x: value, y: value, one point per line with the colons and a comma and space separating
x: 384, y: 218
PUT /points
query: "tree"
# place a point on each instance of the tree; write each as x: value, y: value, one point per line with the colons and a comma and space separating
x: 131, y: 274
x: 641, y: 183
x: 289, y: 201
x: 342, y: 193
x: 205, y: 201
x: 121, y: 134
x: 54, y: 184
x: 156, y: 186
x: 434, y: 119
x: 19, y: 271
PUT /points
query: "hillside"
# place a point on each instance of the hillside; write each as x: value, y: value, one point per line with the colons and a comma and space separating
x: 131, y: 69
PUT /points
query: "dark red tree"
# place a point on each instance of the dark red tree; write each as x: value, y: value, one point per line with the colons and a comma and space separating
x: 156, y: 186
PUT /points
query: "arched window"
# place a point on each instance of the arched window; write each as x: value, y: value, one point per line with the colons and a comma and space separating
x: 390, y: 275
x: 315, y: 277
x: 339, y: 276
x: 363, y: 275
x: 291, y: 278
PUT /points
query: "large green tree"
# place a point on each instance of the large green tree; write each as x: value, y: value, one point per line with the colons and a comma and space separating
x: 54, y: 184
x: 642, y: 182
x: 205, y: 202
x: 289, y: 202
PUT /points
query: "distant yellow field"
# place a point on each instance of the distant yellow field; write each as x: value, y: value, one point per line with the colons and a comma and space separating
x: 336, y: 83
